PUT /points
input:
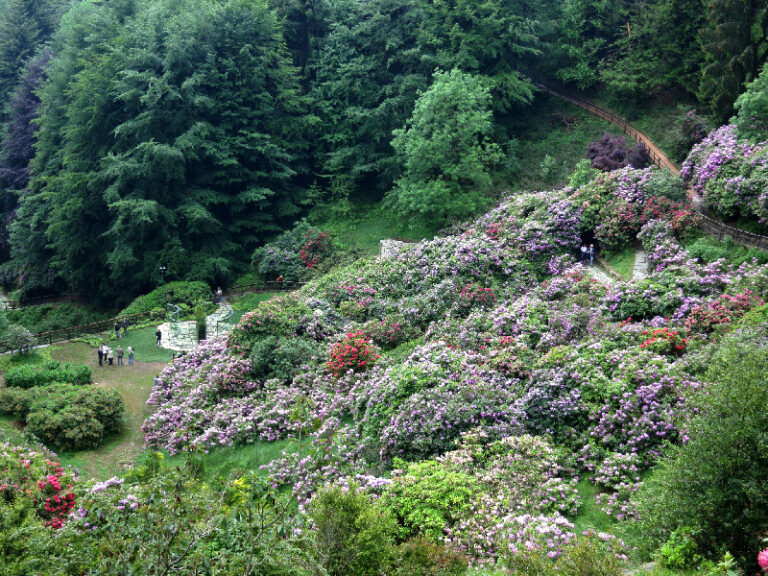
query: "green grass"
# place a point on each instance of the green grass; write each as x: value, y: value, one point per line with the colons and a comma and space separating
x: 708, y: 248
x: 134, y: 383
x: 222, y: 463
x: 143, y: 342
x: 8, y: 361
x: 590, y: 515
x: 365, y: 225
x: 248, y: 302
x: 551, y: 126
x: 622, y: 262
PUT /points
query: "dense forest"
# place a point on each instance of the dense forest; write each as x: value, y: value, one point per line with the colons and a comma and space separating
x: 140, y: 133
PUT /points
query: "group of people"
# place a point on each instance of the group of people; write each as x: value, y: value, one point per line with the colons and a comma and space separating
x: 107, y: 355
x: 588, y: 252
x: 123, y: 325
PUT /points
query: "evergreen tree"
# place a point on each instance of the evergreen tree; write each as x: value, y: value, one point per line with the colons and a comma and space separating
x: 24, y: 26
x: 735, y: 44
x: 368, y: 74
x: 169, y: 136
x: 16, y: 149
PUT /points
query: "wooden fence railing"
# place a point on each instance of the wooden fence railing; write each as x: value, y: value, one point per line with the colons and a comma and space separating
x: 710, y: 225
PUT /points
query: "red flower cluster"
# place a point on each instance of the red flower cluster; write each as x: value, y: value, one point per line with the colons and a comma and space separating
x: 664, y: 341
x: 473, y: 294
x: 355, y: 352
x: 51, y: 501
x: 704, y: 317
x: 493, y: 230
x: 315, y: 244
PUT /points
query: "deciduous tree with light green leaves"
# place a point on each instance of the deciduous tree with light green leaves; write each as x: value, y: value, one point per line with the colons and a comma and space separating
x: 446, y: 151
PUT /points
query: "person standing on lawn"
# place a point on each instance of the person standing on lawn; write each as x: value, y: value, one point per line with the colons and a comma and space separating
x: 110, y: 356
x: 159, y: 335
x: 119, y: 355
x: 117, y: 331
x: 130, y: 355
x: 101, y: 354
x: 125, y: 325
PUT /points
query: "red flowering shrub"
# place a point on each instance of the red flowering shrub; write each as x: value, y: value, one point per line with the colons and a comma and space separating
x: 316, y: 244
x: 473, y: 295
x: 391, y: 331
x: 727, y: 308
x: 355, y: 352
x: 619, y: 224
x: 683, y: 219
x: 664, y: 341
x: 31, y: 479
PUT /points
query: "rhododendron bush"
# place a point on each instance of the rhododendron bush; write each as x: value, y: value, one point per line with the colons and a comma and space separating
x: 473, y: 362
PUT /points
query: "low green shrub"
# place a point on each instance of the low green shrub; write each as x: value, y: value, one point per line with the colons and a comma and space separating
x: 422, y: 557
x: 709, y: 249
x: 427, y: 497
x: 66, y: 417
x: 680, y: 551
x: 353, y: 536
x: 50, y: 372
x: 189, y: 293
x: 282, y: 357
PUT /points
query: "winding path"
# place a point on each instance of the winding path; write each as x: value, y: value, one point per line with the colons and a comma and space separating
x: 708, y: 224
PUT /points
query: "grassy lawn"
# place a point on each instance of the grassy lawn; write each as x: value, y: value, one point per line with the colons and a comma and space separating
x: 367, y: 224
x: 224, y: 462
x: 143, y: 342
x: 622, y: 262
x: 590, y: 515
x: 134, y: 383
x: 247, y: 302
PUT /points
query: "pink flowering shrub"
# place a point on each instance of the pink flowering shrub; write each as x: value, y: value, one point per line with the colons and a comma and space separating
x: 31, y: 480
x: 706, y: 317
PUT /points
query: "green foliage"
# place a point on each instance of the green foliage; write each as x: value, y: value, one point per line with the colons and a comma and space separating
x: 353, y: 536
x: 583, y: 174
x: 710, y: 249
x: 188, y: 157
x: 752, y: 109
x: 46, y: 317
x: 422, y: 557
x: 714, y: 482
x: 735, y: 44
x: 681, y: 550
x: 282, y: 357
x: 588, y: 555
x: 427, y: 496
x: 189, y: 293
x: 446, y: 151
x: 167, y: 521
x: 50, y: 372
x: 66, y: 417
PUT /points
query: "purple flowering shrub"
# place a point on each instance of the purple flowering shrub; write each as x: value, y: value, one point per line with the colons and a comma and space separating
x: 731, y: 173
x: 473, y: 382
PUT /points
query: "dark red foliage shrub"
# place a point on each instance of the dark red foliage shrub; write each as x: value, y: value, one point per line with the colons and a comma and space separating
x: 611, y: 153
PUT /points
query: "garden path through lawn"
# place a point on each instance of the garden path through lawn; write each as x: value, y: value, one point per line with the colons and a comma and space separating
x: 134, y: 383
